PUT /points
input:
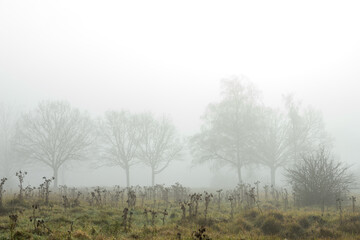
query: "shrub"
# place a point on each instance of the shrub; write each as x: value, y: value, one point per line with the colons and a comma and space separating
x: 279, y: 216
x: 316, y: 219
x: 294, y: 230
x: 241, y: 225
x: 271, y: 226
x: 304, y: 222
x: 351, y: 225
x: 252, y: 214
x: 326, y: 233
x: 317, y: 178
x: 22, y: 235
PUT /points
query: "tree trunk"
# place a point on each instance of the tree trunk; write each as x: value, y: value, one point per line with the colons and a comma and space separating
x: 63, y: 176
x: 272, y: 172
x: 239, y: 174
x: 56, y: 170
x: 152, y: 176
x: 127, y: 170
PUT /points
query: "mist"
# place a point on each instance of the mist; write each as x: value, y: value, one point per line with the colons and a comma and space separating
x: 169, y: 59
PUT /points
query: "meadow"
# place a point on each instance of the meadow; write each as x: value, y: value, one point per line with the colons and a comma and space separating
x: 174, y: 212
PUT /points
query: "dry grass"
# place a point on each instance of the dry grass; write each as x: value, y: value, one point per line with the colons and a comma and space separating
x: 106, y: 222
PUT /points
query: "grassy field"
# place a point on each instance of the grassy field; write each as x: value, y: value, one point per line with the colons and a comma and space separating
x: 33, y: 219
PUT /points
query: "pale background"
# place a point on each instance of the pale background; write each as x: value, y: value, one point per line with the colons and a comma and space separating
x: 168, y: 57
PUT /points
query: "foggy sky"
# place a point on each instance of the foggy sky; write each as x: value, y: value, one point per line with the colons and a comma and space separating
x: 169, y: 56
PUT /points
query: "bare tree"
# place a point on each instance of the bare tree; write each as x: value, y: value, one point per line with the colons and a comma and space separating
x: 8, y: 156
x: 159, y: 144
x: 230, y: 127
x: 273, y: 146
x: 285, y: 137
x: 318, y: 179
x: 306, y: 129
x: 55, y: 133
x: 120, y: 139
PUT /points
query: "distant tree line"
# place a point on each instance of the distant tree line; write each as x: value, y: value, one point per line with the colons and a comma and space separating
x: 55, y: 133
x: 240, y: 130
x: 237, y: 131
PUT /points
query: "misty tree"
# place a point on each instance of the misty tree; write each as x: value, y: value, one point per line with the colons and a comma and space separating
x: 317, y: 178
x: 55, y: 133
x: 8, y: 156
x: 230, y: 128
x: 121, y: 133
x: 273, y: 145
x: 159, y: 144
x: 306, y: 129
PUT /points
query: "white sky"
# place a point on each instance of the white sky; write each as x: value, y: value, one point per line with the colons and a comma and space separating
x: 168, y: 57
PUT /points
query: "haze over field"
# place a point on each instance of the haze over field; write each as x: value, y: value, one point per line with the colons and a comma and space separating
x: 168, y: 58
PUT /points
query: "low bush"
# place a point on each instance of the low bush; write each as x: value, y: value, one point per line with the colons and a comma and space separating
x: 271, y: 226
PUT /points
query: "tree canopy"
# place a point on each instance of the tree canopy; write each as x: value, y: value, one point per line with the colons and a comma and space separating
x: 55, y: 133
x: 230, y: 127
